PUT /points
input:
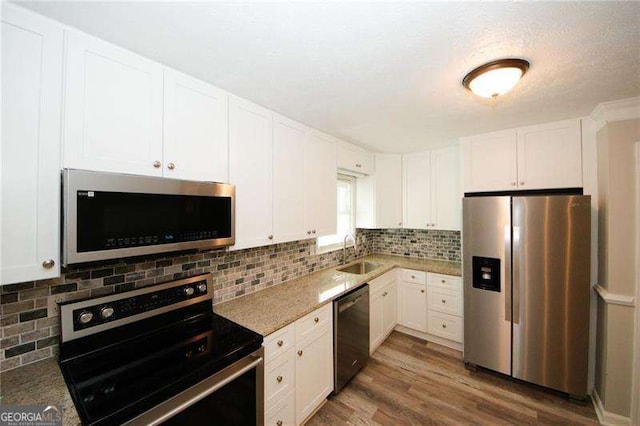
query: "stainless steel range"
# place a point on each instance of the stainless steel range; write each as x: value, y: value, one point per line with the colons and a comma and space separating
x: 161, y: 355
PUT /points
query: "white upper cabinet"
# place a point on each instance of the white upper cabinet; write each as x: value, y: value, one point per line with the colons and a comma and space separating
x: 354, y: 160
x: 535, y: 157
x: 195, y: 129
x: 320, y: 179
x: 446, y: 189
x: 113, y: 108
x: 417, y: 173
x: 550, y: 155
x: 490, y: 162
x: 31, y: 100
x: 250, y: 147
x: 289, y: 141
x: 379, y: 196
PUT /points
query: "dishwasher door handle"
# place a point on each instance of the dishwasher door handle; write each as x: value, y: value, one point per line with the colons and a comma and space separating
x: 345, y: 306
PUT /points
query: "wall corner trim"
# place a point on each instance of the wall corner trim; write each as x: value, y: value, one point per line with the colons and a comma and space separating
x: 623, y: 109
x: 614, y: 299
x: 605, y: 417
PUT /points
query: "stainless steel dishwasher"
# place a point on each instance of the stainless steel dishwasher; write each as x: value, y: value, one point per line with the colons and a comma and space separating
x: 350, y: 335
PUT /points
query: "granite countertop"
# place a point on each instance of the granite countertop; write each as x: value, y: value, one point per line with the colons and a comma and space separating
x: 264, y: 312
x: 40, y: 383
x: 270, y: 309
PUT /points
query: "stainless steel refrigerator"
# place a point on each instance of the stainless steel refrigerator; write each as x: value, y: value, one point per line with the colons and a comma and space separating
x: 526, y: 263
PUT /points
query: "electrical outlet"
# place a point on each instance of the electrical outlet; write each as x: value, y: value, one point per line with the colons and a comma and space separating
x: 52, y: 304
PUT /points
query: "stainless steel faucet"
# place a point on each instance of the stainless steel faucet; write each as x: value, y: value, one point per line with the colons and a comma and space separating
x: 344, y: 247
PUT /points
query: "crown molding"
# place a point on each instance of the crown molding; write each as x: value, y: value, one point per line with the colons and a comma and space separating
x: 623, y: 109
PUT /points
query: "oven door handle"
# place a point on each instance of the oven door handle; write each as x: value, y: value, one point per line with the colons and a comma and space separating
x: 185, y: 399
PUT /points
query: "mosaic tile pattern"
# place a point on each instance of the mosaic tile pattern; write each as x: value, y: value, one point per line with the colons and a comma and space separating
x: 30, y: 330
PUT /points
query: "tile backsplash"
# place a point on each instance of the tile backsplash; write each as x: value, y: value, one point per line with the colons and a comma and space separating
x: 30, y: 330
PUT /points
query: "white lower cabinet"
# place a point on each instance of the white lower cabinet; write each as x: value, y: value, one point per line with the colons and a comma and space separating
x: 412, y: 300
x: 298, y: 368
x: 383, y: 308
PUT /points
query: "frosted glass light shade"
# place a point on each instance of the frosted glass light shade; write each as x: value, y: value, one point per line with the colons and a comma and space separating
x: 495, y: 78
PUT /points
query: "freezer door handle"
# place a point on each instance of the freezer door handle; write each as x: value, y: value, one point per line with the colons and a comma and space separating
x: 516, y: 275
x: 506, y: 277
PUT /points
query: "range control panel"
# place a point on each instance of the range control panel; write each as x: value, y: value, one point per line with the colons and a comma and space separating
x: 119, y: 309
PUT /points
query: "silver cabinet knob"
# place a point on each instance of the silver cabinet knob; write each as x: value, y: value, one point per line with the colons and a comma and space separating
x: 48, y: 264
x: 433, y: 224
x: 521, y: 182
x: 157, y: 164
x: 384, y: 294
x: 309, y: 232
x: 513, y: 184
x: 358, y: 165
x: 313, y: 231
x: 85, y: 317
x: 171, y: 166
x: 442, y: 281
x: 413, y: 277
x: 421, y: 291
x: 279, y: 423
x: 188, y: 291
x: 300, y: 352
x: 316, y: 319
x: 444, y: 301
x: 106, y: 312
x: 399, y: 223
x: 444, y: 325
x: 280, y: 343
x: 270, y: 237
x: 279, y: 379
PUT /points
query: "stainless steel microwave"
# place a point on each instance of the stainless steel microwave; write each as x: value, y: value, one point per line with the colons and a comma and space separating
x: 110, y: 215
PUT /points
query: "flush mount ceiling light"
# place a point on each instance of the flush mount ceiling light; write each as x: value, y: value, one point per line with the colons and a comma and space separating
x: 495, y: 78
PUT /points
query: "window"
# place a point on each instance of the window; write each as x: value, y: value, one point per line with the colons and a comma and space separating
x: 346, y: 212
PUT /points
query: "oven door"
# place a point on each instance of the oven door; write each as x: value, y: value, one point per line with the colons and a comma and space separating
x: 233, y: 396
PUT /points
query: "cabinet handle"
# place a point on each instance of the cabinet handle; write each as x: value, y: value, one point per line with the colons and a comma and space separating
x: 384, y: 294
x: 433, y: 225
x: 157, y: 164
x: 442, y: 281
x: 316, y: 319
x: 513, y: 184
x: 279, y: 379
x: 421, y: 291
x: 270, y: 237
x: 444, y: 325
x: 399, y: 223
x: 279, y: 423
x: 280, y: 342
x: 300, y: 352
x: 444, y: 301
x: 171, y: 166
x: 358, y: 165
x: 48, y: 264
x: 521, y: 182
x: 309, y: 232
x: 413, y: 277
x: 313, y: 232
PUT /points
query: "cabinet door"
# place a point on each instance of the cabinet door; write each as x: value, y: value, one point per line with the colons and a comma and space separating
x: 250, y: 133
x: 389, y: 308
x: 416, y: 171
x: 113, y: 108
x: 320, y: 183
x: 289, y: 140
x: 314, y: 374
x: 388, y: 196
x: 376, y: 321
x: 31, y: 100
x: 550, y: 156
x: 490, y: 162
x: 412, y: 305
x: 354, y: 159
x: 446, y: 191
x: 195, y: 129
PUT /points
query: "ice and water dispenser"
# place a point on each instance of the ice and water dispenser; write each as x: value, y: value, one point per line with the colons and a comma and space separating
x: 486, y: 273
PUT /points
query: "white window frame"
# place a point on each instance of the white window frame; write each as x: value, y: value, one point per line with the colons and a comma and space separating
x: 334, y: 242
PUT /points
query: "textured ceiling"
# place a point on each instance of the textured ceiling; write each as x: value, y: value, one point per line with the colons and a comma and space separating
x: 385, y: 75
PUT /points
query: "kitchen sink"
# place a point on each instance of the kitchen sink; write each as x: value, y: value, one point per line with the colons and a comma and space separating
x: 360, y: 268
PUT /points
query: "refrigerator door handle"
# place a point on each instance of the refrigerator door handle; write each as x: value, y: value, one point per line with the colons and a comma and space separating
x: 516, y: 275
x: 506, y: 279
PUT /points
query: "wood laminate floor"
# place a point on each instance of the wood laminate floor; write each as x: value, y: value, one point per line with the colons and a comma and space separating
x: 410, y: 381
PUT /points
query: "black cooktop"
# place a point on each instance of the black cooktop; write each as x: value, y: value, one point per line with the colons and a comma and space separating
x: 115, y: 375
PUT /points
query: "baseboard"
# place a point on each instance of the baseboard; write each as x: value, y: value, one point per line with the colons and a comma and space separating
x: 605, y: 417
x: 429, y: 337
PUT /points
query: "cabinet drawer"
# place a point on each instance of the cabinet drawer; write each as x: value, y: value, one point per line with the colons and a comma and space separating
x: 379, y: 283
x: 279, y: 342
x: 282, y: 413
x: 313, y: 323
x: 445, y: 301
x: 444, y: 281
x: 411, y: 276
x: 278, y: 378
x: 445, y: 325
